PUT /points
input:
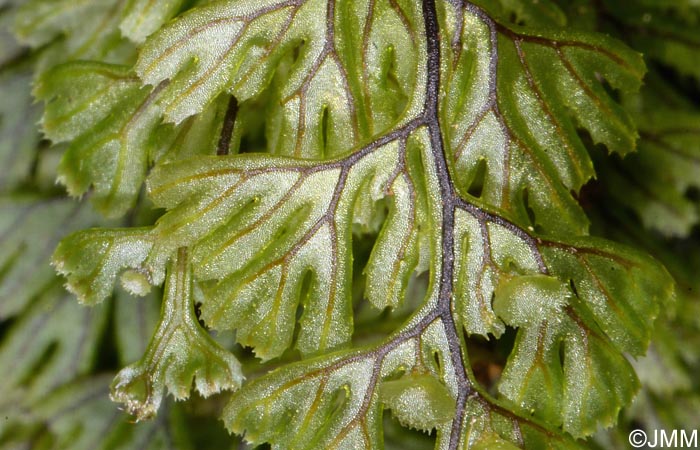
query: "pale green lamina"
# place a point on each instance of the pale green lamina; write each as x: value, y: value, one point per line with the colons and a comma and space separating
x: 433, y: 346
x: 326, y: 321
x: 533, y: 377
x: 114, y: 131
x: 535, y: 138
x: 555, y: 211
x: 584, y: 71
x: 494, y: 427
x: 492, y: 441
x: 599, y: 380
x: 620, y: 290
x: 233, y: 28
x: 319, y: 88
x: 390, y: 265
x: 73, y: 109
x: 136, y: 282
x: 236, y: 205
x: 310, y: 412
x: 401, y: 359
x: 510, y: 253
x: 209, y: 252
x: 546, y: 131
x: 531, y: 299
x: 384, y: 64
x: 370, y: 211
x: 326, y: 108
x: 391, y: 48
x: 273, y: 296
x: 267, y: 297
x: 418, y: 401
x: 474, y: 279
x: 468, y: 86
x: 421, y: 166
x: 179, y: 351
x: 92, y: 271
x: 276, y: 221
x: 570, y: 393
x: 290, y: 405
x: 261, y: 233
x: 476, y: 423
x: 109, y: 119
x: 487, y: 145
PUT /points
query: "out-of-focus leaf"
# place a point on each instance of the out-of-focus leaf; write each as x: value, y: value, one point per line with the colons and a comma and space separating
x: 656, y: 182
x: 51, y: 343
x: 137, y: 319
x: 10, y: 49
x: 668, y: 32
x: 18, y: 116
x: 81, y: 29
x: 26, y: 244
x: 80, y: 416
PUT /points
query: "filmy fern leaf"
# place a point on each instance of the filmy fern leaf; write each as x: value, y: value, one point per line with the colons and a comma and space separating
x: 449, y: 132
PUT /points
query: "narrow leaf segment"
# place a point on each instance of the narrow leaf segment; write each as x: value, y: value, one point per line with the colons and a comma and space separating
x: 179, y: 352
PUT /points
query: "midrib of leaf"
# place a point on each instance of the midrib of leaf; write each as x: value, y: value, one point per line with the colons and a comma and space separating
x: 450, y: 201
x: 448, y: 198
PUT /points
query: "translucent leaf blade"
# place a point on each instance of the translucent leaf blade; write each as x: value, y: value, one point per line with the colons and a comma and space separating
x: 180, y: 353
x: 109, y: 118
